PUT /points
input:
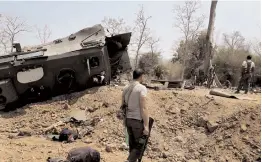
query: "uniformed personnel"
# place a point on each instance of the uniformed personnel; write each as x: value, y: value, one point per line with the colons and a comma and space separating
x: 247, y: 72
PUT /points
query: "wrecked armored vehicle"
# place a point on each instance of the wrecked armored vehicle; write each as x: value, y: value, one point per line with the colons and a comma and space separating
x: 84, y: 59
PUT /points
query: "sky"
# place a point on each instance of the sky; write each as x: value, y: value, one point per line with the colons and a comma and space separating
x: 64, y: 18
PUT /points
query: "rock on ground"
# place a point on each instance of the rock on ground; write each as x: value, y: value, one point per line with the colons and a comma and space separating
x: 188, y: 127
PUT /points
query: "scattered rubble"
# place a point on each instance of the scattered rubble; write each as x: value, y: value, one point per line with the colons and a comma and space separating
x: 25, y: 132
x: 189, y: 126
x: 243, y: 127
x: 212, y: 126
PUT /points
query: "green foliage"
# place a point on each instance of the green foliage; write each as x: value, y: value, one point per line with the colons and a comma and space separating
x: 151, y: 64
x: 148, y: 62
x: 228, y: 59
x: 229, y: 63
x: 194, y: 48
x: 192, y: 53
x: 160, y: 71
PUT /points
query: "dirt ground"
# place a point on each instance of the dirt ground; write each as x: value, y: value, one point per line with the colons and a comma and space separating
x: 189, y: 126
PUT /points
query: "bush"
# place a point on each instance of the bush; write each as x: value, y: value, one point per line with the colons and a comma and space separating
x: 148, y: 62
x: 228, y: 64
x: 193, y: 56
x: 173, y: 70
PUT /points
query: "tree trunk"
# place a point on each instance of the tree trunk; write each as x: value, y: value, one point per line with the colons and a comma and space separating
x: 184, y: 59
x: 212, y: 16
x: 12, y: 42
x: 208, y: 45
x: 136, y: 61
x: 183, y: 70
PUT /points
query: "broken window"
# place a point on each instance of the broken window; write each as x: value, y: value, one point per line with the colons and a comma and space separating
x: 94, y: 62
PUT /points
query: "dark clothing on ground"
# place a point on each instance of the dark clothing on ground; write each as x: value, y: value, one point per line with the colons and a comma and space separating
x: 67, y: 135
x: 83, y: 154
x: 135, y: 131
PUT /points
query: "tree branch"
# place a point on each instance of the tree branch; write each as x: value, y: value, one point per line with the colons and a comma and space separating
x: 141, y: 25
x: 115, y: 26
x: 43, y: 34
x: 12, y: 26
x: 189, y: 24
x: 234, y: 41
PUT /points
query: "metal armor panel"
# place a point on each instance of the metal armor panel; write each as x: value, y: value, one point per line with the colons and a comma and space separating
x: 7, y: 93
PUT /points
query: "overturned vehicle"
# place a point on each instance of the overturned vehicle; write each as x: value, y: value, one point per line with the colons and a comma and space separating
x: 84, y: 59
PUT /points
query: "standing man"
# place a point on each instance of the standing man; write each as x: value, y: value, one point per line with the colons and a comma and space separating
x: 247, y: 72
x: 137, y: 118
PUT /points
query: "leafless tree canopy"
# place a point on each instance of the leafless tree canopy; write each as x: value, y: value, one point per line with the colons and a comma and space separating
x: 234, y: 41
x: 115, y: 26
x: 43, y: 34
x: 142, y: 30
x: 257, y: 48
x: 186, y: 19
x: 141, y: 34
x: 9, y: 29
x: 4, y: 43
x: 153, y: 44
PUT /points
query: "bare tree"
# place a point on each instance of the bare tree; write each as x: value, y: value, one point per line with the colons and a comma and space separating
x: 43, y: 34
x: 143, y: 32
x: 188, y: 23
x: 234, y: 41
x: 3, y: 43
x: 257, y: 48
x: 115, y: 26
x: 154, y: 52
x: 256, y: 45
x: 186, y: 19
x: 3, y: 37
x: 153, y: 44
x: 10, y: 28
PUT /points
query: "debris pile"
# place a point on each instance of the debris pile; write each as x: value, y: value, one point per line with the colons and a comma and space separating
x: 189, y: 126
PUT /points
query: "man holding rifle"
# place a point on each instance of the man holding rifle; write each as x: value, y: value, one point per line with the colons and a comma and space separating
x: 136, y: 115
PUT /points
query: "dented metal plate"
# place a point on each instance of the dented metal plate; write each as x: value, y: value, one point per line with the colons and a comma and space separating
x: 82, y: 60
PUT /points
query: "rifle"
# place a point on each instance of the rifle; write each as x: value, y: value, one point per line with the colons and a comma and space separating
x: 145, y: 138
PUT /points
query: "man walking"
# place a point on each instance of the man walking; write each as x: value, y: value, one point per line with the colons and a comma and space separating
x: 137, y: 118
x: 247, y: 71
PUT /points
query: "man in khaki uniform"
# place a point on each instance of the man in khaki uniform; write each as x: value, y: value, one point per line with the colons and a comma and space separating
x: 247, y: 71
